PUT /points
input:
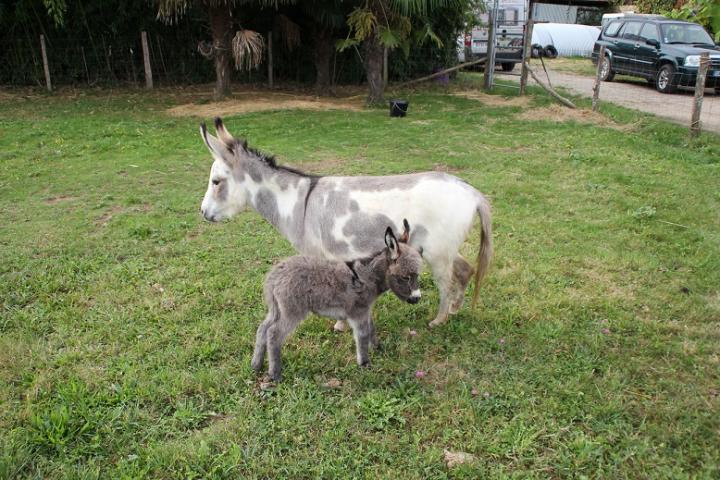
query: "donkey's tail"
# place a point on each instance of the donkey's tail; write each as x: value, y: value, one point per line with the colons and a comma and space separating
x: 486, y: 246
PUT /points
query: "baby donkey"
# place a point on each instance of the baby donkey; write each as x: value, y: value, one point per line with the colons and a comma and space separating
x: 342, y: 291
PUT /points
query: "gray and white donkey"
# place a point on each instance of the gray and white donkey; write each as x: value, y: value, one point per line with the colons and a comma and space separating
x: 302, y: 285
x: 341, y: 218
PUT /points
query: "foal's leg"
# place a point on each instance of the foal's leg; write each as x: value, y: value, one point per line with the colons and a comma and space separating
x: 462, y: 272
x: 361, y: 332
x: 261, y: 335
x: 261, y: 343
x: 276, y: 335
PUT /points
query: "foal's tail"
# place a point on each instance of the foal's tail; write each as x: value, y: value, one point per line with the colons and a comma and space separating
x: 486, y: 245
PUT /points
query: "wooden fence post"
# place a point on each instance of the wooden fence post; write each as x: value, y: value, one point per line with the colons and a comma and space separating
x: 596, y: 87
x: 385, y: 67
x: 45, y: 63
x: 270, y: 59
x: 490, y: 63
x: 699, y: 92
x: 527, y: 53
x: 146, y: 59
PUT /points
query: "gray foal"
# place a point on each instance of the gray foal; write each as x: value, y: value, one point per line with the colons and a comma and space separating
x: 342, y: 291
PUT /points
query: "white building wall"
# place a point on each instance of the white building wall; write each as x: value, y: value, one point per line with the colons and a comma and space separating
x: 545, y: 12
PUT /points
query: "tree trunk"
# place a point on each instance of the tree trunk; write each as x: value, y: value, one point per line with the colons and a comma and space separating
x: 374, y: 70
x: 324, y: 49
x: 221, y: 27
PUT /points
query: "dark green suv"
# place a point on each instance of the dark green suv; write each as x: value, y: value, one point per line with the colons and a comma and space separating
x: 665, y: 52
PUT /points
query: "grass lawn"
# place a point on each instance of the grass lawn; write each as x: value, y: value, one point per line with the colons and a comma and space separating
x: 127, y: 323
x: 577, y: 65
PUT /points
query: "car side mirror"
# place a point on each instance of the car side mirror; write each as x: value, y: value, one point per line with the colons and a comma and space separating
x: 653, y: 42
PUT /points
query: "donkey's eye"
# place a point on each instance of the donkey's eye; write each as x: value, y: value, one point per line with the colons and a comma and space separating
x: 407, y: 279
x: 216, y: 182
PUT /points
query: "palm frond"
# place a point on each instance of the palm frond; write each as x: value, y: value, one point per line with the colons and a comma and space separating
x: 418, y: 7
x: 345, y: 43
x: 247, y: 49
x: 289, y: 31
x: 388, y: 37
x: 363, y: 22
x: 170, y: 11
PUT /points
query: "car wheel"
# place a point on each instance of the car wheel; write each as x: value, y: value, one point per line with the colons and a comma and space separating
x: 537, y: 51
x: 606, y: 71
x: 665, y: 81
x: 507, y: 66
x: 717, y: 90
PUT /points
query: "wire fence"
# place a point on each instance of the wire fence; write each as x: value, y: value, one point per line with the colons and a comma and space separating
x: 177, y: 59
x: 634, y: 81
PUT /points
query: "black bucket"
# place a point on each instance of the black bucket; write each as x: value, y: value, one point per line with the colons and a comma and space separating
x: 398, y: 108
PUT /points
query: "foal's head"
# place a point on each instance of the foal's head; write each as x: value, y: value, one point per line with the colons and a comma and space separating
x: 404, y: 265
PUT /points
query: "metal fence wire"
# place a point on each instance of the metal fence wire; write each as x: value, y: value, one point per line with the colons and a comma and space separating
x: 635, y: 83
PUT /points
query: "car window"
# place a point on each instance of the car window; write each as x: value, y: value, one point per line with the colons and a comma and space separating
x: 631, y: 31
x: 649, y: 32
x: 612, y: 29
x: 685, y: 33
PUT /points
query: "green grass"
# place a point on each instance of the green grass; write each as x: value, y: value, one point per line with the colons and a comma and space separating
x: 577, y: 65
x: 127, y: 323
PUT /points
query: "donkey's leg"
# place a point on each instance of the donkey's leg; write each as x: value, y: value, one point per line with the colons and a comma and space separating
x: 261, y: 335
x: 374, y: 341
x: 462, y: 272
x: 340, y: 326
x: 260, y: 344
x: 361, y: 332
x: 442, y: 272
x: 276, y: 335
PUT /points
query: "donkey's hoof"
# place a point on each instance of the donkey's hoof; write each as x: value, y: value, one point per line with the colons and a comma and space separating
x: 437, y: 322
x: 340, y: 326
x: 257, y: 366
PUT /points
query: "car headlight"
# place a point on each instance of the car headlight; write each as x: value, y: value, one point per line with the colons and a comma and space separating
x: 692, y: 61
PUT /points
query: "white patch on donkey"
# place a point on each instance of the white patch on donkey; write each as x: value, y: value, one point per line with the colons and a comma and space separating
x: 341, y: 218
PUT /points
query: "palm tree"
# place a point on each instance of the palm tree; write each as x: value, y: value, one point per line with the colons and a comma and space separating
x: 246, y: 47
x: 381, y: 24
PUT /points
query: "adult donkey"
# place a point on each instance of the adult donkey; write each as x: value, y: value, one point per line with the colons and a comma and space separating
x: 343, y: 218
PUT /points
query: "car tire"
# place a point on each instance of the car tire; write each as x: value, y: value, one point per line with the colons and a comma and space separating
x: 607, y: 74
x: 665, y: 80
x: 536, y: 51
x: 507, y: 66
x: 717, y: 90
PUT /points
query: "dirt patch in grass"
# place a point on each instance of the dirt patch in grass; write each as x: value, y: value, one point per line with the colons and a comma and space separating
x: 260, y: 102
x: 442, y: 167
x: 557, y: 113
x: 59, y: 199
x: 494, y: 100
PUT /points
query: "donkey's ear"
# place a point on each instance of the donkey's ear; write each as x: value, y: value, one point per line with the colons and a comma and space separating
x: 217, y: 149
x: 223, y: 135
x: 406, y: 232
x: 392, y: 244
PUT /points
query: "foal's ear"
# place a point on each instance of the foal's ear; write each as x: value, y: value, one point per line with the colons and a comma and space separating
x: 218, y: 149
x: 392, y: 244
x: 406, y: 232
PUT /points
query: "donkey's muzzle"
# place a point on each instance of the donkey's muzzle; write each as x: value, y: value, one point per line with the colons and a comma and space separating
x: 413, y: 300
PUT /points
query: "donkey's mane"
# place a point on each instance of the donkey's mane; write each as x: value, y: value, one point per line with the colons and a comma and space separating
x: 271, y: 162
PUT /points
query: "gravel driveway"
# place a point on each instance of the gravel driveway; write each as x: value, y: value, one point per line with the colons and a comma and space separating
x: 641, y: 96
